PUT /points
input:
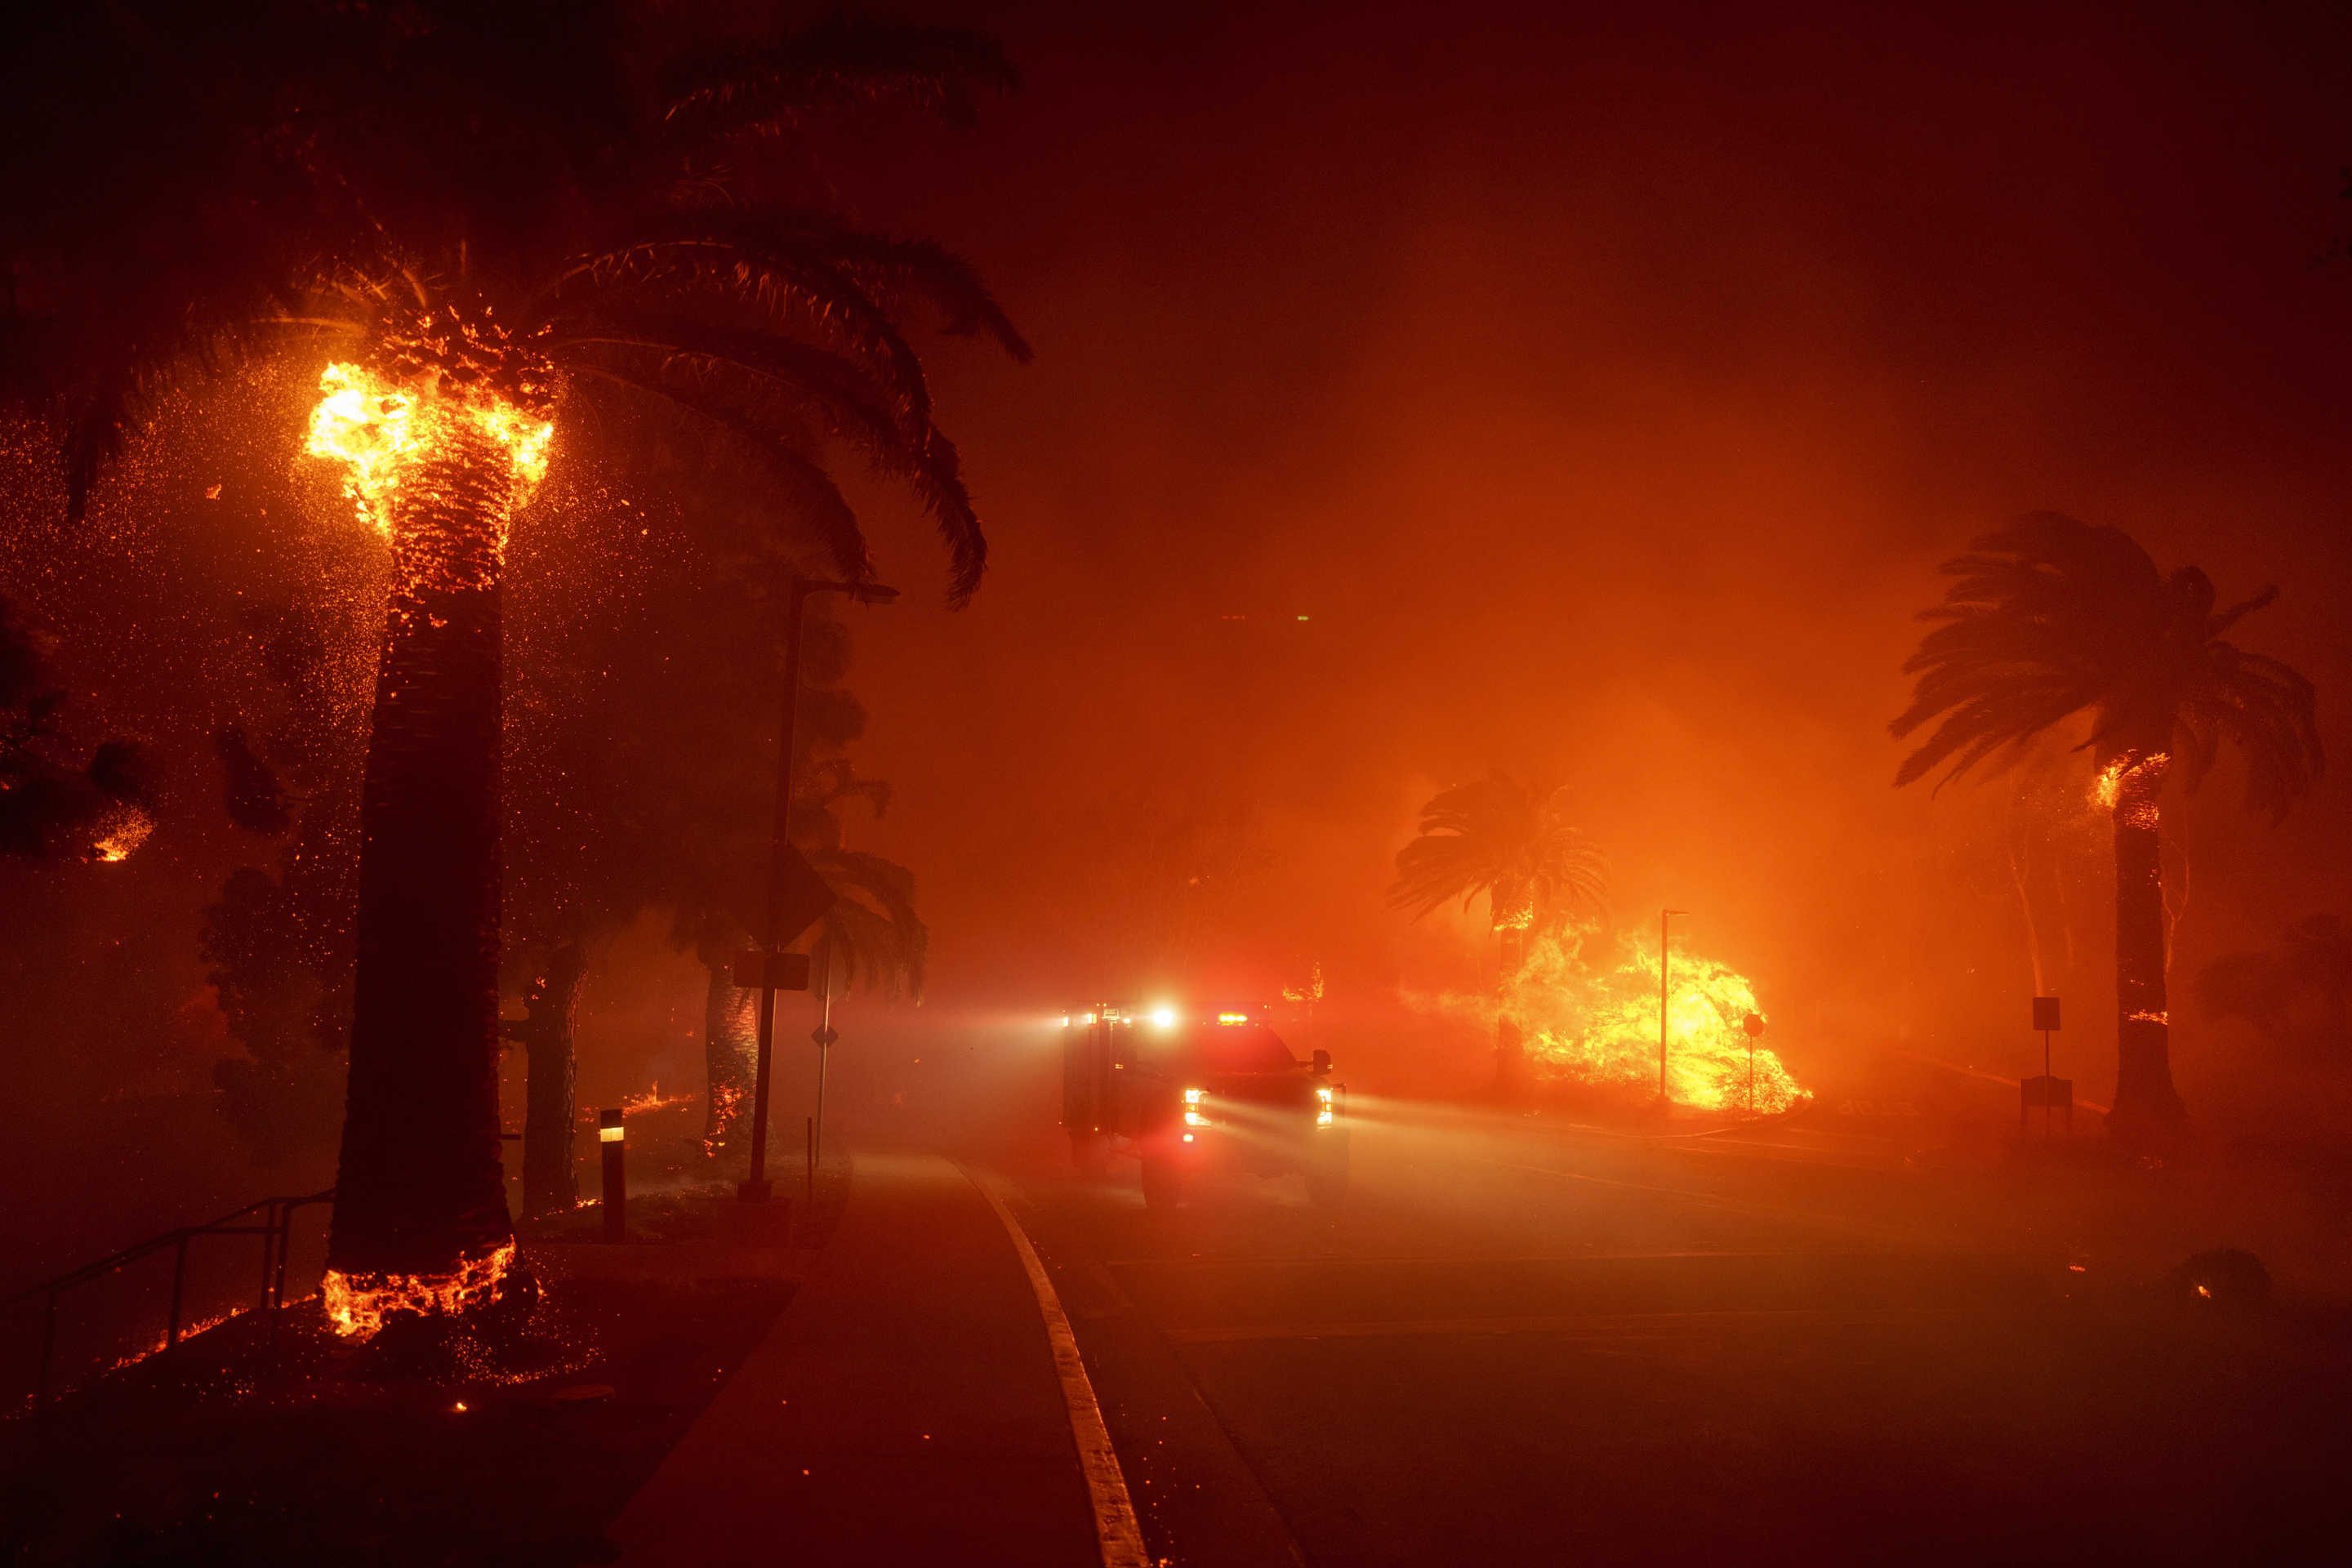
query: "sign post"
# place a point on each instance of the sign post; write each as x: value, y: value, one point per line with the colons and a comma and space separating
x: 793, y: 904
x: 802, y: 897
x: 2045, y: 1019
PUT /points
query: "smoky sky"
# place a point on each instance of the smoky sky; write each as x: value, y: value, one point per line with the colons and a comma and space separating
x: 1590, y: 394
x: 1605, y: 387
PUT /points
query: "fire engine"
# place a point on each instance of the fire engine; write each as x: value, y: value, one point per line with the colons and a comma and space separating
x: 1185, y: 1093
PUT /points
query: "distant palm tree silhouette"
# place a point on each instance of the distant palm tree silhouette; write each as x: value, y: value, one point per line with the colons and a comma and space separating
x: 1506, y: 838
x: 873, y: 934
x: 2050, y: 618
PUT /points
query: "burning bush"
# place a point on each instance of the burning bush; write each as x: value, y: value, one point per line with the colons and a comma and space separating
x: 1595, y: 1023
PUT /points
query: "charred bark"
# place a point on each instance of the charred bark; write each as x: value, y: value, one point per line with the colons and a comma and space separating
x: 730, y: 1042
x: 548, y: 1031
x: 420, y: 1189
x: 2148, y: 1108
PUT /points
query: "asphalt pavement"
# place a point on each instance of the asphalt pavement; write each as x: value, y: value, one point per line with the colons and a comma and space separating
x: 1513, y: 1345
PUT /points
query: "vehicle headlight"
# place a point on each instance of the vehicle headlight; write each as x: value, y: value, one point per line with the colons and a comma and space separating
x: 1326, y: 1106
x: 1193, y: 1115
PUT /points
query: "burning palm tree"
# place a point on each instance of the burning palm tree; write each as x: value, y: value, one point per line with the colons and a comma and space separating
x: 2051, y: 618
x: 493, y: 219
x: 1502, y: 838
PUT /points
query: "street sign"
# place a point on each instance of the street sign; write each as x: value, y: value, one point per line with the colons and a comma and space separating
x: 2049, y: 1094
x: 2045, y: 1012
x: 783, y: 971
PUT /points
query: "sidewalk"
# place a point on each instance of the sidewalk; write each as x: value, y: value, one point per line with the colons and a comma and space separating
x: 905, y: 1408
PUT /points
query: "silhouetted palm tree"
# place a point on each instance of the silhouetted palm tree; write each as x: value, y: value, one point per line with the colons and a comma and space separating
x: 872, y: 933
x: 2051, y: 618
x: 492, y: 212
x: 1502, y: 838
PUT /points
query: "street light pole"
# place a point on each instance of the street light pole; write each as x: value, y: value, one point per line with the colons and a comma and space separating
x: 823, y: 1036
x: 756, y: 1189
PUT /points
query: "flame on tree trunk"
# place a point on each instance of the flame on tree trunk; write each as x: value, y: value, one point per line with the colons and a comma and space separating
x: 2147, y: 1108
x: 445, y: 435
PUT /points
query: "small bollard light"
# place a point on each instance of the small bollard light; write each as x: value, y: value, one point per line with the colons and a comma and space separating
x: 617, y: 1181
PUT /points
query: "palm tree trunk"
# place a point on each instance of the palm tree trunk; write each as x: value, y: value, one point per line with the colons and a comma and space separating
x: 420, y: 1196
x: 551, y: 1013
x: 731, y: 1043
x: 1510, y: 1047
x: 2147, y: 1110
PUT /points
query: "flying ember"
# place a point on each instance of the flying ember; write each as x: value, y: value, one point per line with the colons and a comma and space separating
x: 1598, y: 1026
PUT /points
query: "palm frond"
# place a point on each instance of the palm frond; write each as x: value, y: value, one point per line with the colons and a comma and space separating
x: 911, y: 270
x: 2050, y: 618
x: 872, y: 933
x: 719, y: 259
x: 1499, y: 836
x: 833, y: 388
x: 802, y: 485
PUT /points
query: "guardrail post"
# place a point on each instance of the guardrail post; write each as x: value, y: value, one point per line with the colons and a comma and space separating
x: 179, y: 1284
x: 611, y: 1139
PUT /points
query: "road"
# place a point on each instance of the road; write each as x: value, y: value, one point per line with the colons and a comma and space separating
x: 1512, y: 1345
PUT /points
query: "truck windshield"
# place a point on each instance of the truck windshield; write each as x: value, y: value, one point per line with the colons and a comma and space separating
x: 1241, y: 1048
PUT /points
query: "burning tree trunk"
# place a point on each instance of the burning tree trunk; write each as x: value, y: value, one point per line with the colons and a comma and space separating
x: 731, y: 1043
x: 551, y: 1016
x: 2147, y: 1108
x: 444, y: 437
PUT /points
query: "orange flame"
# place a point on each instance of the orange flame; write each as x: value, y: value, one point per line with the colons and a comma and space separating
x: 123, y: 828
x: 358, y: 1305
x: 726, y: 1107
x: 378, y: 428
x: 2135, y: 777
x: 1600, y: 1026
x: 651, y: 1099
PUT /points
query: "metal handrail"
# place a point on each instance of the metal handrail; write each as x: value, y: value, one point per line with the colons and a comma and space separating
x: 276, y: 1233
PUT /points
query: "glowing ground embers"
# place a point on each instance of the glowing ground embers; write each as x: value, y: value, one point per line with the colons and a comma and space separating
x: 359, y: 1305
